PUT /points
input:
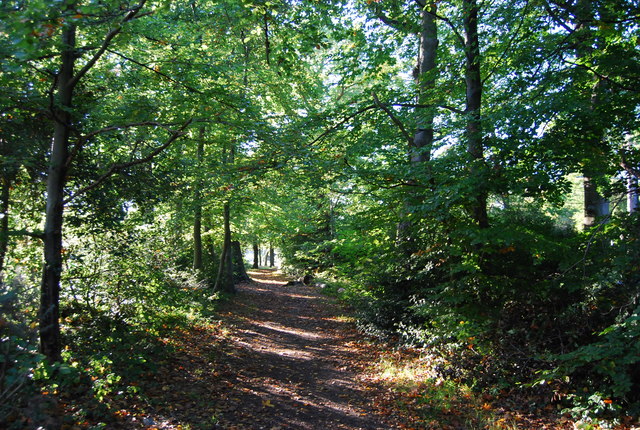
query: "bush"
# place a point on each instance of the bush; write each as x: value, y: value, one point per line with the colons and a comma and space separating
x: 18, y: 358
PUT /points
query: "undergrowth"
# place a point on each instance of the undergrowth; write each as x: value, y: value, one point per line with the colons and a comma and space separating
x: 124, y: 298
x: 536, y: 309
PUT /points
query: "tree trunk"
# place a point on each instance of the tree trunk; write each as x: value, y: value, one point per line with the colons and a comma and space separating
x: 632, y: 194
x: 272, y: 256
x: 239, y: 271
x: 224, y: 280
x: 421, y: 146
x: 473, y: 82
x: 197, y: 222
x: 197, y: 237
x: 595, y: 206
x: 420, y: 152
x: 256, y: 263
x: 50, y: 286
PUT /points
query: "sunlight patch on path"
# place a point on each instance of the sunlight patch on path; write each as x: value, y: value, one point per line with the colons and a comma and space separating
x: 267, y: 278
x: 295, y: 332
x: 280, y: 352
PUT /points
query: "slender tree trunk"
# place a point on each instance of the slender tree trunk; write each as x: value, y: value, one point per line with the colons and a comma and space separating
x: 4, y: 222
x: 272, y: 256
x: 256, y: 263
x: 197, y: 222
x: 595, y: 206
x: 632, y: 194
x: 224, y: 281
x: 220, y: 283
x: 473, y: 81
x: 197, y: 237
x: 50, y: 287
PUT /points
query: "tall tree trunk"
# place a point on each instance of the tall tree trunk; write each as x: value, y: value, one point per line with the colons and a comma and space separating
x: 473, y: 81
x: 224, y: 280
x: 256, y: 263
x: 50, y: 286
x: 197, y: 222
x: 595, y: 205
x: 272, y: 256
x: 4, y: 222
x: 421, y: 146
x: 420, y: 152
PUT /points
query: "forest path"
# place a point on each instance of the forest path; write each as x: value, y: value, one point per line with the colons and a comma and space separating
x: 286, y: 357
x: 292, y: 361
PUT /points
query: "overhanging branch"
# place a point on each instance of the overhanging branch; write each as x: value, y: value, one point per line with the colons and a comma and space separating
x: 119, y: 167
x: 105, y: 44
x: 394, y: 118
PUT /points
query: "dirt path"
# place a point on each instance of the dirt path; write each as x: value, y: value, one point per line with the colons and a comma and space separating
x: 291, y: 362
x: 285, y: 357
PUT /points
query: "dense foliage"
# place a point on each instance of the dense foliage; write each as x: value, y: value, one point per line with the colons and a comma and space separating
x: 465, y: 173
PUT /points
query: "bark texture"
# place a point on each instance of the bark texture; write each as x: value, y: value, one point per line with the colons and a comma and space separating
x: 422, y: 143
x: 596, y: 207
x: 272, y: 256
x: 4, y: 222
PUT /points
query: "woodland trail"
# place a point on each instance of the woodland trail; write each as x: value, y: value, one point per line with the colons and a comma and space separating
x: 280, y: 357
x: 292, y: 362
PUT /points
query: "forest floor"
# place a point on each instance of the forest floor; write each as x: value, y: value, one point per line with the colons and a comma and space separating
x: 289, y: 357
x: 283, y: 357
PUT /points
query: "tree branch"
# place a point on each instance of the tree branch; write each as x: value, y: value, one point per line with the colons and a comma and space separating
x: 395, y: 119
x: 626, y: 166
x: 151, y: 69
x: 393, y: 23
x: 447, y: 21
x: 77, y: 147
x: 105, y: 44
x: 509, y: 44
x: 34, y: 234
x: 341, y: 123
x: 423, y: 106
x: 118, y: 167
x: 600, y: 75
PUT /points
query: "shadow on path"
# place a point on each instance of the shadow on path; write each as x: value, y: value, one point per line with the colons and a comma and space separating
x: 291, y: 362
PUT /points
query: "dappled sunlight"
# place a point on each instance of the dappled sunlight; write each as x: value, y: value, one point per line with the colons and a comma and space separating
x: 293, y: 359
x: 300, y: 296
x: 266, y: 280
x: 295, y: 332
x: 266, y: 276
